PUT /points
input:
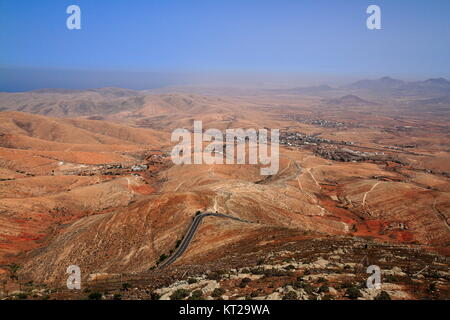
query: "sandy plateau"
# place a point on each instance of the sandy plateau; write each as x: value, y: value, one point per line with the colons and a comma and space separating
x: 86, y: 179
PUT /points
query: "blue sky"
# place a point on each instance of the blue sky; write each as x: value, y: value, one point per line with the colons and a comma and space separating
x: 294, y: 36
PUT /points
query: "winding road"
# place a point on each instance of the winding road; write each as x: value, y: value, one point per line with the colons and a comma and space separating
x: 191, y: 233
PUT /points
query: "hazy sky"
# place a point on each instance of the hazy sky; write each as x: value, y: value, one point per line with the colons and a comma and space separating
x: 321, y: 37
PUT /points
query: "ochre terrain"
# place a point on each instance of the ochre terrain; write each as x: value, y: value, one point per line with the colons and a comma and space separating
x: 87, y: 185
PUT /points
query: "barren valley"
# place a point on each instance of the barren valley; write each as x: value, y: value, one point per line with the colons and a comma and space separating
x: 86, y: 179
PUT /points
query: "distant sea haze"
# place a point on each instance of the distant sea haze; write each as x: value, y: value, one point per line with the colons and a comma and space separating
x: 28, y: 79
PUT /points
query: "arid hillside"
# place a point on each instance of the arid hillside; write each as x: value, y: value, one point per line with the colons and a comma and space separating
x: 70, y: 103
x: 94, y: 185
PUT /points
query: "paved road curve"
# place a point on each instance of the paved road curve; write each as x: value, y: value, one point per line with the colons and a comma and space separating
x: 191, y: 233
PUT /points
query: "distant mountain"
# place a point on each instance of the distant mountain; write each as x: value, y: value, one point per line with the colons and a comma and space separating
x: 439, y: 86
x: 304, y: 90
x: 437, y: 82
x: 387, y: 85
x: 433, y: 102
x: 350, y: 100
